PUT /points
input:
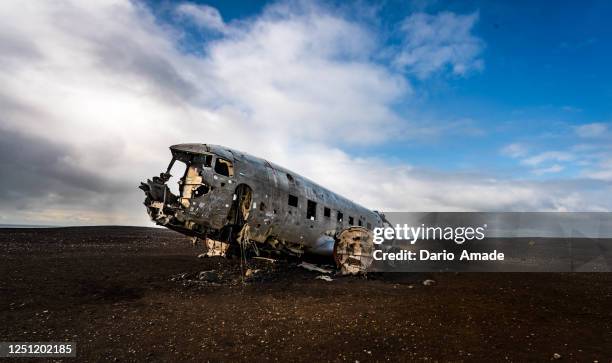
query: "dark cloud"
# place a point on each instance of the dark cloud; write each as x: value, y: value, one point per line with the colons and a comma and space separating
x: 13, y: 50
x: 121, y: 55
x: 35, y: 169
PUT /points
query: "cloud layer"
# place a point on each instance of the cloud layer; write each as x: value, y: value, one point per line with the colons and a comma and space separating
x: 434, y: 42
x: 94, y: 93
x: 586, y: 147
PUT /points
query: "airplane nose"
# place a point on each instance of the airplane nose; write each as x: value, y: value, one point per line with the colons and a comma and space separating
x: 154, y: 189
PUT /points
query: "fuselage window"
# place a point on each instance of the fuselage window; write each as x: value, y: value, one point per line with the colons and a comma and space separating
x: 207, y: 161
x: 224, y: 167
x: 326, y: 212
x: 311, y: 210
x: 293, y: 200
x: 339, y: 217
x: 351, y: 221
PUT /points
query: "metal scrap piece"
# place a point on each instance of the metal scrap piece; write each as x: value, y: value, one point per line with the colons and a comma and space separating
x: 216, y: 248
x: 311, y: 267
x: 354, y: 250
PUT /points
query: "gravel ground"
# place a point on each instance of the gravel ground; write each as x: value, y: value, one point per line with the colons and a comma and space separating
x: 132, y: 293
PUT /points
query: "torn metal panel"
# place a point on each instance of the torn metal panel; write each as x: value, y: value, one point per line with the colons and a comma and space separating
x: 354, y: 250
x: 216, y: 248
x: 237, y: 199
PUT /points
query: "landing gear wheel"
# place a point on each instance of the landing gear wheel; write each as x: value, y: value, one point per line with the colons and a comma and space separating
x: 354, y: 250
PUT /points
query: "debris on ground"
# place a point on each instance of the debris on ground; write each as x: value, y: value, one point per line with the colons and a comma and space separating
x: 324, y: 278
x: 209, y: 276
x: 271, y: 260
x: 250, y: 272
x: 229, y: 273
x: 429, y: 282
x: 312, y: 267
x: 556, y: 356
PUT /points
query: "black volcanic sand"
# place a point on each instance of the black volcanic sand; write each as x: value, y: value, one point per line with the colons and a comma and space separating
x: 127, y: 293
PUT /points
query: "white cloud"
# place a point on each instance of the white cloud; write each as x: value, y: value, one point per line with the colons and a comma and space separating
x: 385, y: 186
x: 434, y: 42
x: 555, y: 168
x: 589, y: 158
x: 597, y: 129
x: 603, y: 170
x: 307, y: 77
x: 204, y: 16
x: 102, y: 90
x: 514, y: 150
x: 548, y: 156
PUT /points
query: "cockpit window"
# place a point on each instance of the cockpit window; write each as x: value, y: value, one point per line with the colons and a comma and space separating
x: 207, y: 162
x: 224, y: 167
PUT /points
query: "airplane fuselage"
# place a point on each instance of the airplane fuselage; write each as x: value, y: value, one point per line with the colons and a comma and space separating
x: 223, y: 191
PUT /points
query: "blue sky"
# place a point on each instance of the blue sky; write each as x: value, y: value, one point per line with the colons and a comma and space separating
x: 399, y: 105
x: 543, y: 60
x: 546, y: 70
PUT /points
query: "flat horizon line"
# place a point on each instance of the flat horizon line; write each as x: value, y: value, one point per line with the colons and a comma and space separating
x: 18, y: 225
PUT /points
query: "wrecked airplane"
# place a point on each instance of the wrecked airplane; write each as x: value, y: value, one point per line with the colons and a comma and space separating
x: 236, y: 202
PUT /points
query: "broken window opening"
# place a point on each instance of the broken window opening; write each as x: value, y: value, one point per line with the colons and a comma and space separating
x: 201, y: 190
x: 311, y: 210
x: 339, y: 217
x: 290, y: 178
x: 207, y: 162
x: 262, y: 206
x: 177, y: 171
x: 191, y: 182
x: 351, y: 221
x: 203, y: 159
x: 224, y: 167
x: 326, y: 212
x: 293, y: 200
x: 360, y: 223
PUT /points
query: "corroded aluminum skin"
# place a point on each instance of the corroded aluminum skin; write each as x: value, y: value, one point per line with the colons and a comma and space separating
x: 274, y: 222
